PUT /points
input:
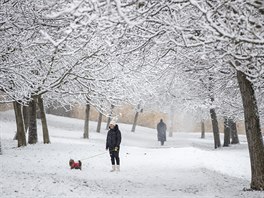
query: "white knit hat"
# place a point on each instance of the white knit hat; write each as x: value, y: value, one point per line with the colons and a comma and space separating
x: 113, y: 121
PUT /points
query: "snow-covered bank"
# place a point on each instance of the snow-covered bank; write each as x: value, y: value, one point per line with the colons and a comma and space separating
x: 186, y: 167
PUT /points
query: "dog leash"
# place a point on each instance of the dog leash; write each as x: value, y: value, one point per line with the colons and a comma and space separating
x: 93, y: 156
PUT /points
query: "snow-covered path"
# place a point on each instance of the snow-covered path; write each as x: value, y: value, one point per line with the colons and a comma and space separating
x: 186, y: 167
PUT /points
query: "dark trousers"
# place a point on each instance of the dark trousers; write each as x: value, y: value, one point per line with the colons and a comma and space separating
x: 114, y: 157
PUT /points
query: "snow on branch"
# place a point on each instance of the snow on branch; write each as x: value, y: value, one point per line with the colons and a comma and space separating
x: 51, y: 40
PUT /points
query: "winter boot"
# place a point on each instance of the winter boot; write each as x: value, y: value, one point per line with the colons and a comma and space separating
x: 113, y: 168
x: 118, y: 167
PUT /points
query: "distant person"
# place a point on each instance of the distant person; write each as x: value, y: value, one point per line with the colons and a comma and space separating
x: 161, y: 128
x: 113, y: 141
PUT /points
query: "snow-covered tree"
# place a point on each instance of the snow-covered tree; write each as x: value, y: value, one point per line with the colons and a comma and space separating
x: 235, y: 27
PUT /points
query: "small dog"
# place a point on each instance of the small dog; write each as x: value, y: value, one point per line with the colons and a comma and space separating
x: 75, y: 165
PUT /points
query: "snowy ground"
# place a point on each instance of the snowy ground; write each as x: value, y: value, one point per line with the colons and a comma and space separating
x: 186, y: 166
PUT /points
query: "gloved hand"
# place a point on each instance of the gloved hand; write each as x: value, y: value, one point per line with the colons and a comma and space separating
x: 116, y: 148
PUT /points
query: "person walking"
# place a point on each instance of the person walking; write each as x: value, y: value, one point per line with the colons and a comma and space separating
x: 161, y: 128
x: 113, y: 141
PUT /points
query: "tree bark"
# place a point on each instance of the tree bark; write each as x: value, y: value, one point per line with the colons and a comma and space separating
x: 46, y: 139
x: 86, y: 122
x: 233, y: 131
x: 26, y: 117
x: 226, y: 132
x: 0, y: 147
x: 202, y: 130
x: 217, y: 142
x: 32, y: 130
x: 171, y: 122
x: 99, y: 123
x: 135, y: 122
x: 20, y: 134
x: 253, y: 131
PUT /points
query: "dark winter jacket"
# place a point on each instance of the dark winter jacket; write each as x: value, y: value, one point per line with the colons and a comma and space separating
x: 161, y: 128
x: 113, y: 138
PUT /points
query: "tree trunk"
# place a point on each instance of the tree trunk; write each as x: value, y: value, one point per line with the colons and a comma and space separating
x: 86, y: 122
x: 109, y: 118
x: 202, y: 130
x: 26, y: 117
x: 108, y: 122
x: 217, y: 142
x: 98, y: 129
x: 0, y: 147
x: 171, y: 122
x: 253, y: 131
x: 46, y: 139
x: 21, y: 136
x: 233, y: 131
x: 135, y: 122
x: 226, y: 132
x: 32, y: 130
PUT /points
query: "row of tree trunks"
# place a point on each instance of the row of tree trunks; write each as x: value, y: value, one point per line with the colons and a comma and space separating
x: 230, y: 131
x: 99, y: 123
x: 253, y: 131
x: 26, y: 118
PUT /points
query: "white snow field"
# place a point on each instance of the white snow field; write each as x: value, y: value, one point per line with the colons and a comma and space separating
x: 187, y: 166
